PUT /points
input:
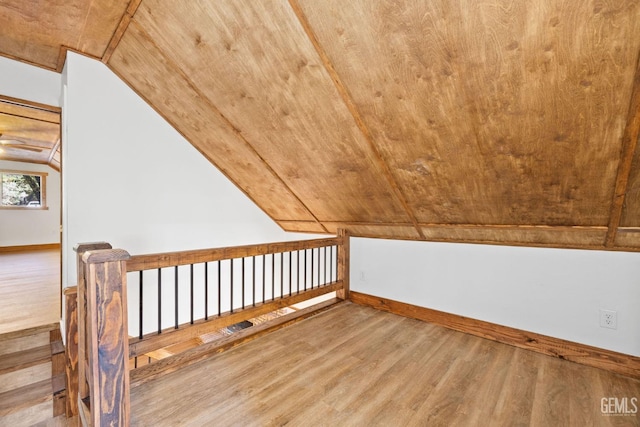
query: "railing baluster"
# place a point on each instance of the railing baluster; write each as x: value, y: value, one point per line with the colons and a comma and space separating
x: 231, y: 287
x: 298, y: 272
x: 141, y: 303
x: 191, y: 291
x: 219, y: 287
x: 264, y: 279
x: 305, y: 269
x: 337, y: 255
x: 312, y: 253
x: 282, y: 275
x: 290, y: 267
x: 242, y: 283
x: 159, y: 301
x: 206, y: 291
x: 175, y: 308
x: 273, y: 276
x: 324, y: 264
x: 331, y: 264
x: 253, y: 279
x: 318, y: 267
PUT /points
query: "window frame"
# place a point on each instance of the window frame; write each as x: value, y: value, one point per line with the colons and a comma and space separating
x: 43, y: 190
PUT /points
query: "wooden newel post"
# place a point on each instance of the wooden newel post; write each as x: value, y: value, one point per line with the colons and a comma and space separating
x: 343, y: 264
x: 74, y: 327
x: 103, y: 398
x: 71, y: 349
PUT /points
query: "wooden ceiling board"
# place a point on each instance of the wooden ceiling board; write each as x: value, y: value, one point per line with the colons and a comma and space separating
x: 19, y: 128
x: 254, y: 62
x: 35, y: 31
x: 386, y: 231
x: 591, y: 237
x: 493, y: 112
x: 628, y: 238
x: 138, y: 61
x: 629, y: 191
x: 302, y: 227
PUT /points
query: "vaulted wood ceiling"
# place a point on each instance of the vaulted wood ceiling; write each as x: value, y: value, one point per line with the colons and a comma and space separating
x: 494, y: 121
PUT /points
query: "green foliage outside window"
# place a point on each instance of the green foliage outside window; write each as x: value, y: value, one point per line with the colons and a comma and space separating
x: 22, y: 190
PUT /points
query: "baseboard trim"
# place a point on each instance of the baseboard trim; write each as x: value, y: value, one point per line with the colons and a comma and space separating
x: 575, y: 352
x: 30, y: 248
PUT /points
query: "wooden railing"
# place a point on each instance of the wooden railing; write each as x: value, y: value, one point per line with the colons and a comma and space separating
x: 181, y: 296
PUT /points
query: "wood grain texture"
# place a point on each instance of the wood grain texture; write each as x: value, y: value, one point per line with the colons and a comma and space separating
x: 106, y: 333
x: 35, y: 32
x: 32, y: 276
x: 575, y: 352
x: 71, y: 350
x: 625, y: 210
x: 353, y: 365
x: 23, y: 125
x: 280, y: 98
x: 169, y: 259
x: 504, y: 112
x: 173, y: 363
x: 344, y: 253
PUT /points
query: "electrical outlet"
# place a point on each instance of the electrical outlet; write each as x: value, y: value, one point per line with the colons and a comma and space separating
x: 608, y: 319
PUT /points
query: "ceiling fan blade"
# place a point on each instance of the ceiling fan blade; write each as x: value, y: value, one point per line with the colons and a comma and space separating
x: 21, y: 146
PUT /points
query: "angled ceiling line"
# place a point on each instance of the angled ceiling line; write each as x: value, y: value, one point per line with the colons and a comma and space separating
x: 353, y: 109
x: 131, y: 10
x: 629, y: 144
x: 53, y: 150
x: 30, y: 104
x: 230, y: 125
x: 30, y: 118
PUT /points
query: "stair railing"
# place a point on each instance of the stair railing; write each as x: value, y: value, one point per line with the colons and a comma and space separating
x: 96, y: 316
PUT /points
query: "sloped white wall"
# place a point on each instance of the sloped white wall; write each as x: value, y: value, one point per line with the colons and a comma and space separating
x: 37, y: 226
x: 130, y: 179
x: 555, y: 292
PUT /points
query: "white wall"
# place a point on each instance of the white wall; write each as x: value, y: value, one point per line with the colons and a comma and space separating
x: 23, y: 81
x: 32, y: 226
x: 130, y: 179
x: 555, y: 292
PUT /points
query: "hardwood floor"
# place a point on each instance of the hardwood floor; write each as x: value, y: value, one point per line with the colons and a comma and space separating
x: 29, y: 289
x: 356, y: 366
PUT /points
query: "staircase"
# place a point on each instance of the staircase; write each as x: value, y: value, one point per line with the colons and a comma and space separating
x: 32, y: 377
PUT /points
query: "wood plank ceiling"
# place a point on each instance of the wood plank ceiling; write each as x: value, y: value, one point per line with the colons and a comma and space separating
x: 495, y: 121
x: 29, y: 132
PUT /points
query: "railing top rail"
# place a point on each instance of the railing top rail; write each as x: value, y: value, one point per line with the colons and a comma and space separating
x: 171, y: 259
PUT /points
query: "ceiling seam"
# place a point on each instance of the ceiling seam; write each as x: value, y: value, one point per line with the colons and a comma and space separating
x: 629, y: 144
x: 120, y: 29
x: 351, y: 106
x: 231, y: 126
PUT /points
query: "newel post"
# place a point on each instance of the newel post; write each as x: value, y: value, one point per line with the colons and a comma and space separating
x: 343, y: 264
x: 74, y: 327
x: 104, y: 373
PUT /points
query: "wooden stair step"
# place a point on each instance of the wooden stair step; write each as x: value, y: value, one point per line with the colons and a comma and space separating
x: 23, y: 340
x: 24, y: 397
x: 23, y: 333
x: 25, y: 358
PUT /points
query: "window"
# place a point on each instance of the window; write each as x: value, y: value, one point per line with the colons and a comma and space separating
x: 23, y: 190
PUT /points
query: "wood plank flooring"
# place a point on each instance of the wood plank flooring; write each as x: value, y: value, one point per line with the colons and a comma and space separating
x: 356, y: 366
x: 29, y: 289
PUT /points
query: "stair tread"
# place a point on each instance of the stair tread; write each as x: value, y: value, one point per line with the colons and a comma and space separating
x: 24, y: 397
x: 28, y: 332
x: 24, y: 358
